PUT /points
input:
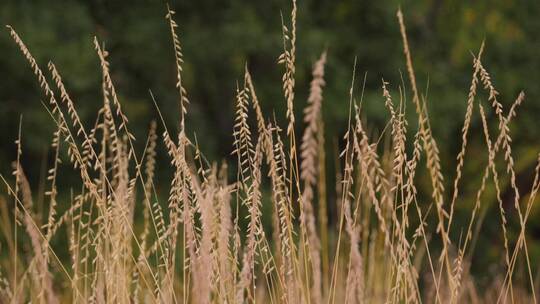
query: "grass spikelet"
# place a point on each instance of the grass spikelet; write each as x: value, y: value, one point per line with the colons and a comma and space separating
x: 309, y: 149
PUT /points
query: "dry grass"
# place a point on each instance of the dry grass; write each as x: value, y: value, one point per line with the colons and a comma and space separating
x: 391, y: 244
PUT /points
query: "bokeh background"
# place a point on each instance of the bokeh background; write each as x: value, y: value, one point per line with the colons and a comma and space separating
x: 220, y: 37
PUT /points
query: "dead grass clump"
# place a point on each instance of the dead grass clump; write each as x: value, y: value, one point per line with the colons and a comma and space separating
x: 391, y: 244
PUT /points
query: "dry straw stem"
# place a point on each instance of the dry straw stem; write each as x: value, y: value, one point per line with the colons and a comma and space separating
x: 179, y: 60
x: 465, y: 131
x: 309, y: 149
x: 506, y: 140
x: 288, y: 58
x: 45, y: 292
x: 343, y: 184
x: 433, y: 162
x: 377, y: 183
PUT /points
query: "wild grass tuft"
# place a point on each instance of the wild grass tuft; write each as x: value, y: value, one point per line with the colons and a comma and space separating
x: 206, y: 242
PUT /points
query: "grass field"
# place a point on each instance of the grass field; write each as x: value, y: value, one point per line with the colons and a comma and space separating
x: 393, y: 239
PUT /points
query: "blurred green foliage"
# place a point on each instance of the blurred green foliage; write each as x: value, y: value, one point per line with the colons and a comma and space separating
x: 220, y: 37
